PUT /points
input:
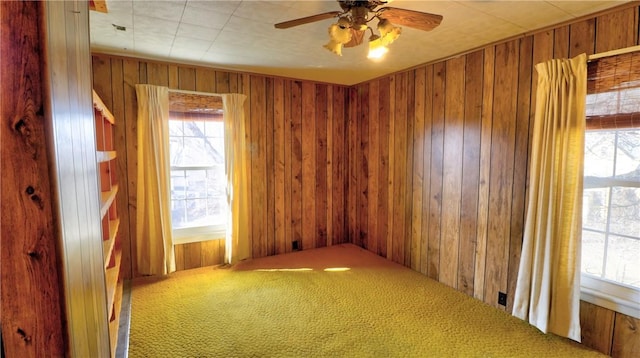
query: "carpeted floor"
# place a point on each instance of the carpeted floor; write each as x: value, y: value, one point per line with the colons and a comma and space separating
x: 340, y: 301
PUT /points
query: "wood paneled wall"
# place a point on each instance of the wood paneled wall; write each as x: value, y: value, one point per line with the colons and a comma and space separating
x: 427, y: 167
x: 439, y: 157
x: 31, y: 278
x: 53, y: 290
x: 296, y: 135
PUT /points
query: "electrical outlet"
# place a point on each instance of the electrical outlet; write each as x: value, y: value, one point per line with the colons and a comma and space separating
x: 295, y: 245
x: 502, y: 298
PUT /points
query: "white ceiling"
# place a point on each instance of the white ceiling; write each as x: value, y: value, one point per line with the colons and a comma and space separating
x: 239, y: 34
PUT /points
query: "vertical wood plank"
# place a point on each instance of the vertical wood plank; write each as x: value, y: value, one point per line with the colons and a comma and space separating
x: 244, y: 87
x: 131, y: 69
x: 520, y: 166
x: 399, y: 168
x: 222, y: 82
x: 384, y: 168
x: 186, y: 78
x: 561, y: 42
x: 392, y: 155
x: 596, y: 325
x: 30, y: 292
x: 470, y: 171
x: 279, y: 145
x: 626, y: 337
x: 118, y: 109
x: 373, y: 167
x: 426, y: 167
x: 173, y: 78
x: 485, y: 173
x: 437, y: 144
x: 320, y: 195
x: 192, y: 255
x: 339, y: 165
x: 296, y: 162
x: 363, y: 165
x: 287, y: 158
x: 157, y: 74
x: 582, y: 36
x: 352, y: 166
x: 101, y: 67
x: 308, y: 165
x: 205, y: 80
x: 270, y: 166
x: 235, y: 83
x: 258, y: 145
x: 501, y: 181
x: 417, y: 169
x: 210, y: 253
x: 408, y: 206
x: 329, y: 165
x: 611, y: 34
x: 179, y: 253
x: 452, y: 171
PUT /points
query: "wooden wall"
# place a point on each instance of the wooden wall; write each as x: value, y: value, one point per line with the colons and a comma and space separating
x: 34, y: 280
x: 438, y: 163
x: 53, y: 292
x: 296, y: 136
x: 427, y: 167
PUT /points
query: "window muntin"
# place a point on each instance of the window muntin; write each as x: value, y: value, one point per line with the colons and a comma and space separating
x: 198, y: 181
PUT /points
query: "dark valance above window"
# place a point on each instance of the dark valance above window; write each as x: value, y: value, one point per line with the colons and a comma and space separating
x: 613, y: 92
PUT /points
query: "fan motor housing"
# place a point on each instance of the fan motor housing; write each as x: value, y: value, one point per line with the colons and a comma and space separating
x: 370, y: 5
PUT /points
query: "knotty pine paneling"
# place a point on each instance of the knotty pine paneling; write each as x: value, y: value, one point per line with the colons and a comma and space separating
x: 31, y: 296
x: 296, y: 143
x: 52, y: 290
x: 443, y: 157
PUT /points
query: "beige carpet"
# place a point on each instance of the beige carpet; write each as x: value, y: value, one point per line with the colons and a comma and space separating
x: 340, y: 301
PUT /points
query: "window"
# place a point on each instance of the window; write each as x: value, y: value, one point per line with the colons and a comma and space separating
x: 198, y: 182
x: 611, y: 199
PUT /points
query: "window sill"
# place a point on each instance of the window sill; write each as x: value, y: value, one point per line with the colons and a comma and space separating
x: 611, y: 296
x: 198, y: 234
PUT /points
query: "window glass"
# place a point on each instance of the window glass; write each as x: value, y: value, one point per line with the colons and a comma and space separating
x: 611, y: 206
x: 198, y: 181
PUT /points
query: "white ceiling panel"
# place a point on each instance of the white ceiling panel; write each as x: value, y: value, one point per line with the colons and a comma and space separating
x: 239, y: 34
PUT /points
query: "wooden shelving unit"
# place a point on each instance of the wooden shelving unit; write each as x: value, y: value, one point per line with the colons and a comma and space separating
x: 112, y: 252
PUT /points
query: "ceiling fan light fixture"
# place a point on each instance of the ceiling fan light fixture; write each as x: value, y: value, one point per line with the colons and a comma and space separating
x: 339, y: 34
x: 377, y: 49
x: 388, y: 32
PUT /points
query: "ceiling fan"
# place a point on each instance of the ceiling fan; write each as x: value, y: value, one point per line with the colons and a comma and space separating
x: 353, y: 22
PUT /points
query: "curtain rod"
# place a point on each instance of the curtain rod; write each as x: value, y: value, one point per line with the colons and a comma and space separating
x: 621, y: 51
x: 195, y: 92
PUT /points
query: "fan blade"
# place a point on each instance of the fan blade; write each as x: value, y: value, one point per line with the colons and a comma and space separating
x: 418, y: 20
x: 306, y: 20
x: 356, y: 38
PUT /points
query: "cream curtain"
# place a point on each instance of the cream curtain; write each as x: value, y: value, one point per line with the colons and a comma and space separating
x: 154, y: 247
x: 236, y: 163
x: 548, y: 288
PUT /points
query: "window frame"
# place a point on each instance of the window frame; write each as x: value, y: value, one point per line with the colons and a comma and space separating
x: 198, y: 233
x: 205, y: 232
x: 600, y: 291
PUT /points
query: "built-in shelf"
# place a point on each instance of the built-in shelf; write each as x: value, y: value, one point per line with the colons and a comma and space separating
x: 112, y: 254
x: 107, y: 199
x: 108, y: 245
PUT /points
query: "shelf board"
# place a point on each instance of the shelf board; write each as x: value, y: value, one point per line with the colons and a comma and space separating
x: 113, y: 324
x: 106, y: 199
x: 99, y: 106
x: 112, y: 277
x: 105, y: 156
x: 108, y: 245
